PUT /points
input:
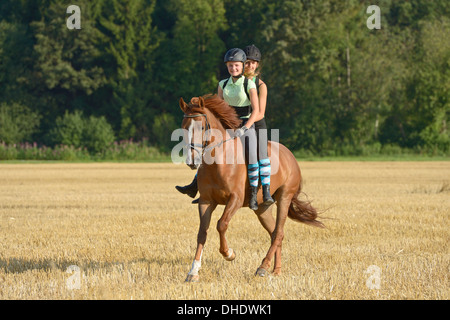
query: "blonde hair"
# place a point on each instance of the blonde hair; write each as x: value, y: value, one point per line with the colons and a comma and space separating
x: 257, y: 72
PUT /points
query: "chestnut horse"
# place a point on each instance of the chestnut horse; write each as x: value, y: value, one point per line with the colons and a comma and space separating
x: 222, y: 183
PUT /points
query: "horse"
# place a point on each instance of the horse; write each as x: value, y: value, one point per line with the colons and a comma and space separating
x: 222, y: 183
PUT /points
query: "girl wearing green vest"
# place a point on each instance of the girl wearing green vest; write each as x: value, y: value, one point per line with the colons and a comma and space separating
x: 246, y: 105
x: 252, y: 72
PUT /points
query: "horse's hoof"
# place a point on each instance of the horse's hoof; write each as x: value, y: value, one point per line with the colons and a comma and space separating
x: 192, y: 278
x: 277, y: 271
x: 232, y: 256
x: 261, y: 272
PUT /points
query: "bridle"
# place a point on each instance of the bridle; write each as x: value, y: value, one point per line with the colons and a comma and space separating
x: 203, y: 148
x: 200, y: 148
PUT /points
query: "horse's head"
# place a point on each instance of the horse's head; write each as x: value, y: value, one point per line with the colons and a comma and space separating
x: 195, y: 124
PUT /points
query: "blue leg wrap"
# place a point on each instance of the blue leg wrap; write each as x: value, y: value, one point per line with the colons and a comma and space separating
x: 264, y: 171
x: 253, y: 174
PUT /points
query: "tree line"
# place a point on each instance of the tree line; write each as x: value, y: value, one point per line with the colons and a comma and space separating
x: 335, y: 86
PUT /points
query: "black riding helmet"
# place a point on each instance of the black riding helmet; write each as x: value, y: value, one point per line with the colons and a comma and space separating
x: 252, y: 53
x: 235, y: 54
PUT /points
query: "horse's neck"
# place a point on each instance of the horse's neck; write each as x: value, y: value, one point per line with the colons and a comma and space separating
x: 218, y: 131
x: 226, y: 150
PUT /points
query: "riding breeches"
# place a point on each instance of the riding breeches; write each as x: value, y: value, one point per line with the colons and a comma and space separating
x: 261, y: 136
x: 249, y: 142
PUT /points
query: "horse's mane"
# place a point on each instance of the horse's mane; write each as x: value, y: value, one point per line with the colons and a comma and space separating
x: 219, y: 108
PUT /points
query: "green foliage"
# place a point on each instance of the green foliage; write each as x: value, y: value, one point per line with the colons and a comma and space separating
x: 436, y: 136
x: 118, y: 151
x: 128, y: 43
x: 334, y: 86
x: 127, y: 150
x: 17, y: 123
x: 128, y: 35
x: 98, y: 134
x: 196, y: 44
x: 162, y: 128
x: 26, y: 151
x: 76, y: 131
x: 69, y: 129
x: 432, y: 86
x: 66, y: 59
x: 16, y: 64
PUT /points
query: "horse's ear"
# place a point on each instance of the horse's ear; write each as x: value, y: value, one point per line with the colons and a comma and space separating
x: 201, y: 102
x: 183, y: 105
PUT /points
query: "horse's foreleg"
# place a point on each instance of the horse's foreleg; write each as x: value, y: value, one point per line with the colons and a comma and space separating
x: 234, y: 203
x: 205, y: 212
x: 277, y: 238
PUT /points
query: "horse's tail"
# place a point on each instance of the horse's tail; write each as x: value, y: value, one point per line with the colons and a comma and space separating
x: 303, y: 211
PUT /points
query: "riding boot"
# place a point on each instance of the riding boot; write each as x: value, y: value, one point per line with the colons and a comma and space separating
x: 267, y: 198
x: 253, y: 202
x: 264, y: 172
x: 191, y: 189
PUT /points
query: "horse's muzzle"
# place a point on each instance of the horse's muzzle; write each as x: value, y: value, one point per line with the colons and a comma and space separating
x: 193, y: 162
x: 193, y: 166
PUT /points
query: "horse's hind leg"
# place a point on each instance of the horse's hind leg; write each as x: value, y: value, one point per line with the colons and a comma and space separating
x: 234, y: 203
x: 277, y: 263
x: 264, y: 214
x: 277, y: 237
x: 205, y: 211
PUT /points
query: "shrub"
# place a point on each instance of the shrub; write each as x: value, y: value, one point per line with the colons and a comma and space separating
x: 17, y: 123
x: 98, y: 134
x: 68, y: 130
x: 162, y: 128
x: 74, y: 130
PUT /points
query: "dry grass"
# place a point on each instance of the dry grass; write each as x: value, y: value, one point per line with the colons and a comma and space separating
x: 132, y: 236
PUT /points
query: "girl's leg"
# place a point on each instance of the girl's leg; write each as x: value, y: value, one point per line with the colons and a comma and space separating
x: 264, y: 162
x: 250, y: 146
x: 191, y: 189
x: 264, y: 172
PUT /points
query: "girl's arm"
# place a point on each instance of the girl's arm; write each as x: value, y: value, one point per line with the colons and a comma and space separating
x: 220, y: 92
x: 262, y: 99
x: 255, y: 108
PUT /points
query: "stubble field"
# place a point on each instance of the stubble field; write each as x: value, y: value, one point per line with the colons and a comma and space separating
x: 122, y: 231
